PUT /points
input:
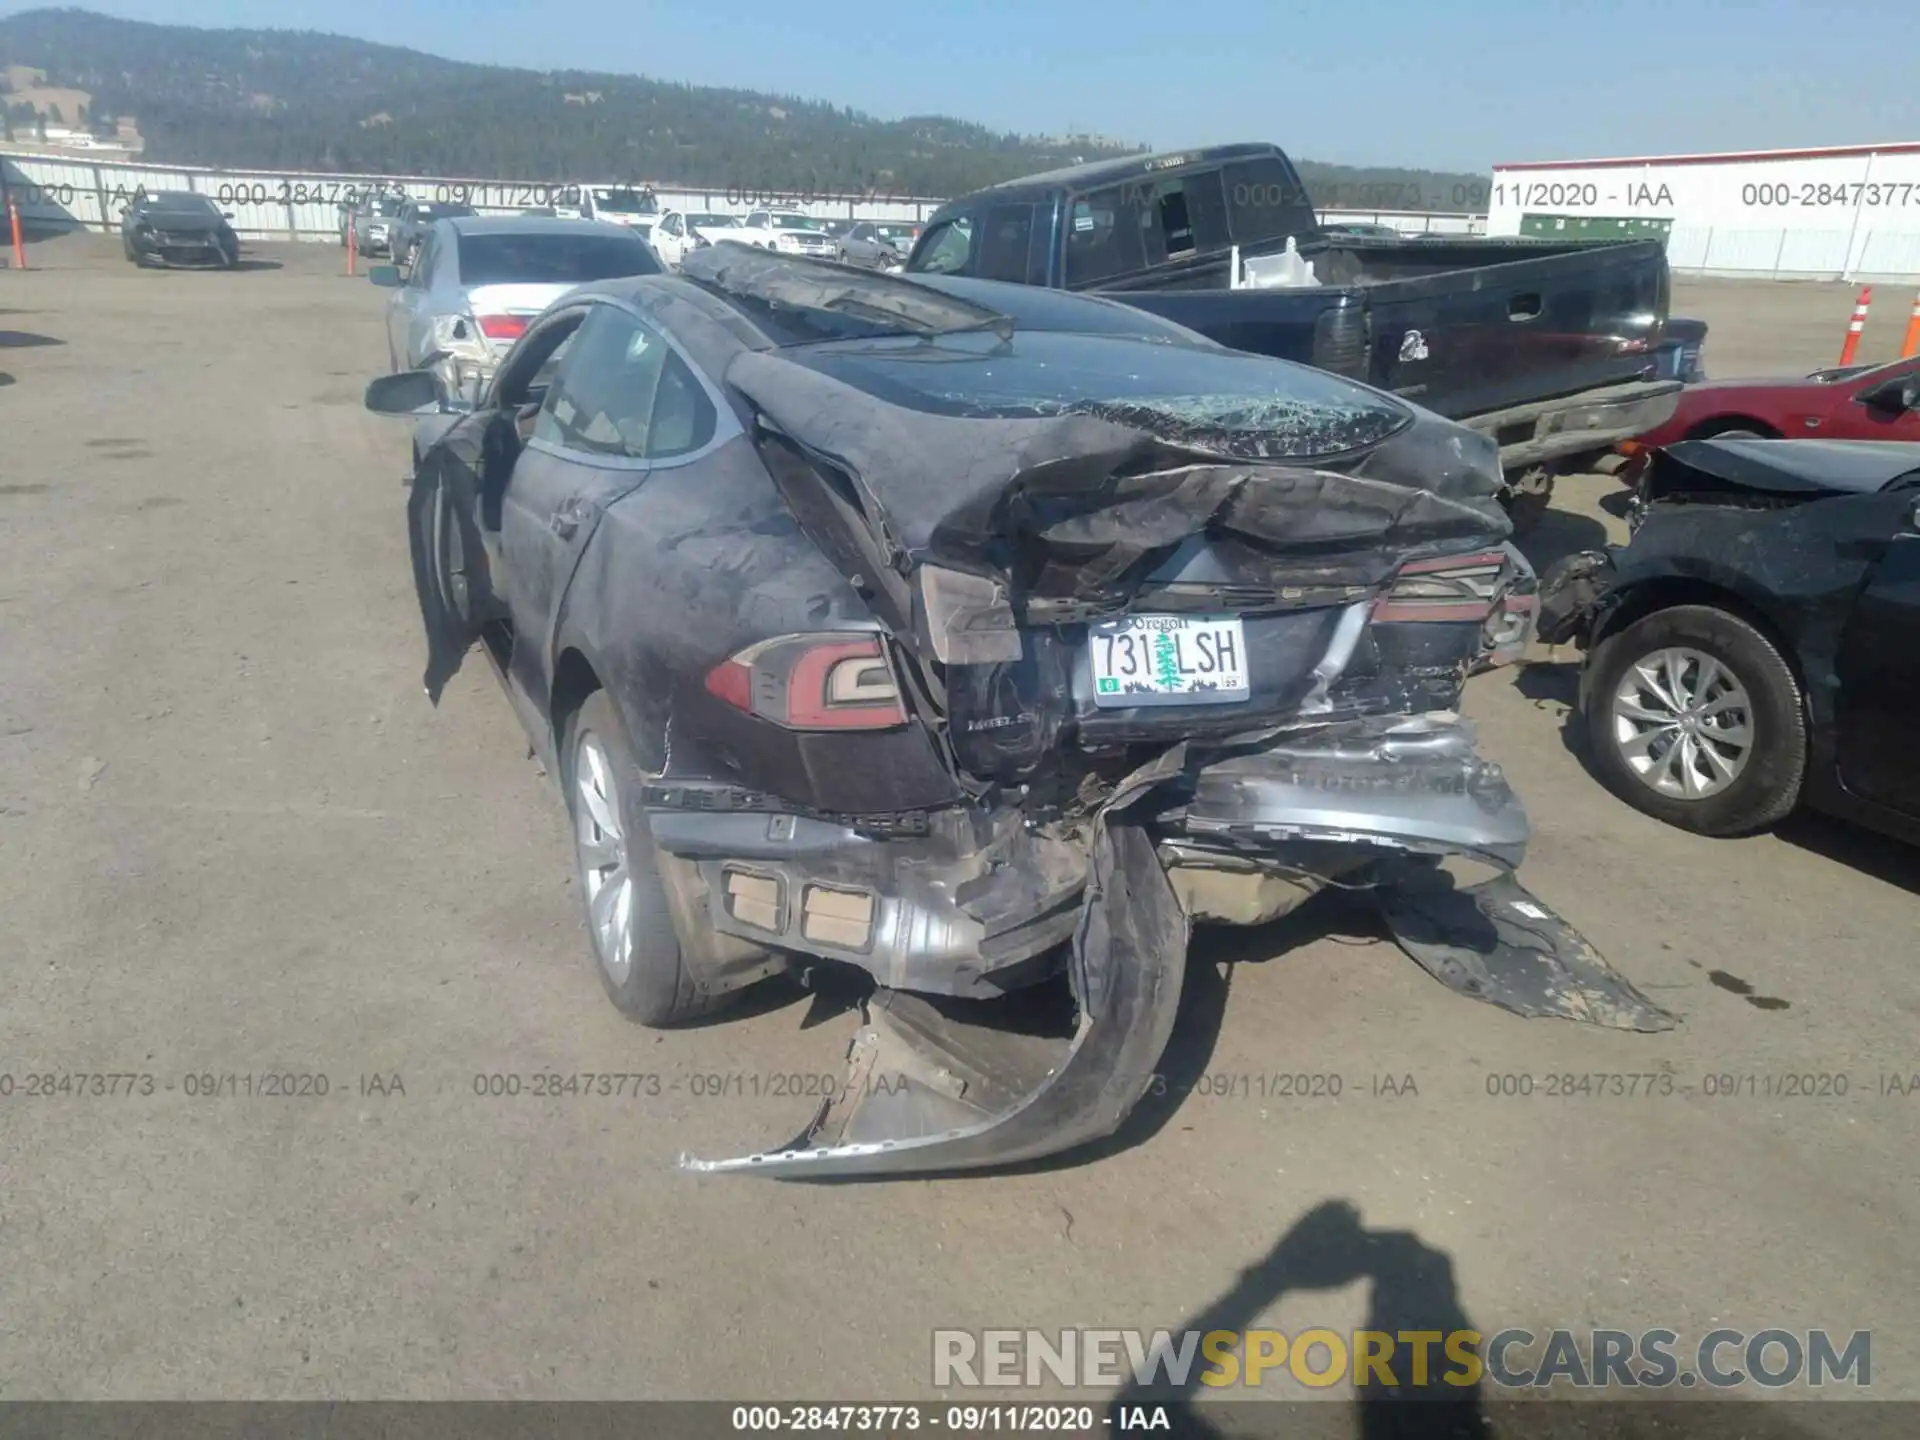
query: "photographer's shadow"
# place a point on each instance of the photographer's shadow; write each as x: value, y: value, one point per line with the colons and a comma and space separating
x: 1411, y: 1288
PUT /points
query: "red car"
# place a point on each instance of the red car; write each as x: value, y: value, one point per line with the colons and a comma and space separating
x: 1857, y: 402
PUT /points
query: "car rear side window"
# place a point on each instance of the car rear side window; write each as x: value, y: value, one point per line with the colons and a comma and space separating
x: 622, y: 391
x: 1006, y: 239
x: 1104, y: 235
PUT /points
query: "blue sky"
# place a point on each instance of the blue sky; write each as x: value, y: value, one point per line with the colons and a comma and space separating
x: 1455, y: 86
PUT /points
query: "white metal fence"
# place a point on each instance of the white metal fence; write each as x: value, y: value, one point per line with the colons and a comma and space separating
x: 81, y: 192
x: 1802, y: 254
x: 73, y: 192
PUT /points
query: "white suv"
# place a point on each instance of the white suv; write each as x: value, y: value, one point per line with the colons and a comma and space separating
x: 789, y: 232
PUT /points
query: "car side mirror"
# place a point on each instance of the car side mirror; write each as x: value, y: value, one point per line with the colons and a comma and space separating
x: 1892, y: 397
x: 409, y: 392
x: 386, y: 276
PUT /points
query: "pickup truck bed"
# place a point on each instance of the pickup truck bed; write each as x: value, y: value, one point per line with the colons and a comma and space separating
x: 1498, y: 323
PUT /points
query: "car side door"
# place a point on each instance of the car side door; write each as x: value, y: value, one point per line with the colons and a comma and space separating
x: 667, y: 235
x: 415, y: 301
x: 618, y: 402
x: 1878, y: 709
x: 457, y: 496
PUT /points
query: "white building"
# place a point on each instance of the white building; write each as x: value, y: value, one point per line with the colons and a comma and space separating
x: 1839, y: 212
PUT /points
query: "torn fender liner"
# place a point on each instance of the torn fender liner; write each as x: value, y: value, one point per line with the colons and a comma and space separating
x: 926, y: 1091
x: 1573, y: 585
x: 1496, y: 942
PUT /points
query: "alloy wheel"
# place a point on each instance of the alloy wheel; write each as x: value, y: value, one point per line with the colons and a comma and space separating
x: 602, y: 847
x: 1683, y: 722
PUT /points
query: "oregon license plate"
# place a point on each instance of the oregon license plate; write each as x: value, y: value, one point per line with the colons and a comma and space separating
x: 1168, y: 660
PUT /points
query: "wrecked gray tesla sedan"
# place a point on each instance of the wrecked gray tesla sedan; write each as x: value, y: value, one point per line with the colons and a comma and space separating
x: 979, y: 642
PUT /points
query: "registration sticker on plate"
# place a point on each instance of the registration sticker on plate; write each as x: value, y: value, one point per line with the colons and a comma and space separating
x: 1168, y: 660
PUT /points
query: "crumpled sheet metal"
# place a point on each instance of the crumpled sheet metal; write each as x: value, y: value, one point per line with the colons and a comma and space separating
x: 906, y: 1106
x: 952, y: 490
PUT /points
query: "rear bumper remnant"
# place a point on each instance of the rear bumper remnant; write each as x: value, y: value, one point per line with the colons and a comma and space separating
x: 1415, y: 785
x: 930, y: 1087
x: 927, y: 1092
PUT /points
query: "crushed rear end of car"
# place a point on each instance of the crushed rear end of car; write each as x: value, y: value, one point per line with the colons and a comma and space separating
x: 1186, y: 658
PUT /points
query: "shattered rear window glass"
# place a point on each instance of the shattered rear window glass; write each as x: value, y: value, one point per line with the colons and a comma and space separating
x: 1245, y: 406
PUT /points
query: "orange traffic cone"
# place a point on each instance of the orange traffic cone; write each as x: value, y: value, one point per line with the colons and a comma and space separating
x: 1851, y: 346
x: 1912, y: 343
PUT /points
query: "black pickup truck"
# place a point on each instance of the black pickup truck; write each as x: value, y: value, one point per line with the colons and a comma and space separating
x: 1546, y: 345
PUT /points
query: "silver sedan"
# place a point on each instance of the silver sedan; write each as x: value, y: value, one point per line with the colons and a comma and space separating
x: 478, y: 280
x: 876, y: 244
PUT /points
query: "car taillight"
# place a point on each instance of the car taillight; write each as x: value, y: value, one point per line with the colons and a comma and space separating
x: 813, y: 682
x: 1453, y: 587
x: 503, y: 327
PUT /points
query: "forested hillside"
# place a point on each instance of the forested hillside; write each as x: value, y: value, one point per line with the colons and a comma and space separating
x: 297, y: 100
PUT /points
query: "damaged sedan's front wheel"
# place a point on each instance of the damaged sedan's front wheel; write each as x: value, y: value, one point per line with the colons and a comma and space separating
x: 629, y: 918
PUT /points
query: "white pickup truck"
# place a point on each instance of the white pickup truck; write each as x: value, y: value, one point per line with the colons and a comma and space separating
x: 630, y: 205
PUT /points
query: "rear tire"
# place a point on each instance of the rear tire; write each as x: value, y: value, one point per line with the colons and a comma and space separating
x: 1644, y: 658
x: 635, y: 943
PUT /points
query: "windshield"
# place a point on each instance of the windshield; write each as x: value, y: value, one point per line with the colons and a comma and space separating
x: 714, y: 222
x: 787, y: 221
x: 553, y: 259
x: 1245, y: 406
x: 442, y: 212
x: 1892, y: 370
x: 624, y: 201
x: 180, y: 202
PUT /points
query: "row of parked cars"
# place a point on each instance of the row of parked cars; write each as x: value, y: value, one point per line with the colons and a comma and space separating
x: 387, y: 222
x: 976, y: 627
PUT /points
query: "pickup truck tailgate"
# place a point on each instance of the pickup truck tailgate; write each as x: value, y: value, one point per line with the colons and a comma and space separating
x: 1478, y: 335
